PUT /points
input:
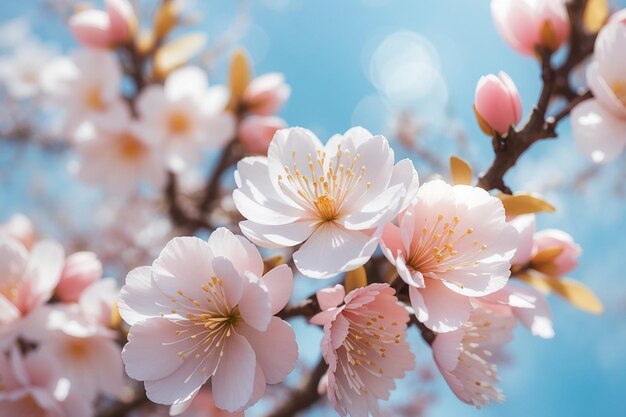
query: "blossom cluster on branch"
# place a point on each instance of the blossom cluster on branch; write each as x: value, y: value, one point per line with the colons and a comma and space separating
x: 204, y: 329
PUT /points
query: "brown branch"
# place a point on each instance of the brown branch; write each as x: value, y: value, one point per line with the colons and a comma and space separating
x: 304, y: 397
x: 230, y: 155
x: 555, y: 84
x: 178, y: 215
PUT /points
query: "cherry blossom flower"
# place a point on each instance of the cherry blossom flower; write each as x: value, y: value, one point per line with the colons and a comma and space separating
x: 27, y: 281
x: 599, y: 124
x: 81, y: 269
x: 497, y: 103
x: 86, y: 85
x: 465, y: 356
x: 364, y: 345
x: 526, y: 24
x: 452, y: 244
x: 204, y: 310
x: 33, y: 386
x: 333, y: 199
x: 100, y: 29
x: 21, y: 72
x: 266, y: 94
x: 19, y: 227
x: 188, y: 115
x: 120, y: 156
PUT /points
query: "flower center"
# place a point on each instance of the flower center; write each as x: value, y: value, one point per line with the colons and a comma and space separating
x: 435, y: 250
x: 324, y: 186
x: 93, y: 99
x: 619, y: 89
x: 179, y: 123
x: 77, y: 349
x: 130, y: 146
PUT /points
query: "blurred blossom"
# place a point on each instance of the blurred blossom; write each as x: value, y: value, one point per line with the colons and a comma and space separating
x: 231, y: 306
x: 86, y: 85
x: 332, y: 199
x: 98, y: 302
x: 256, y: 133
x: 81, y: 270
x: 466, y: 356
x: 120, y: 156
x: 497, y: 103
x: 567, y: 258
x: 14, y: 32
x: 34, y: 386
x: 20, y: 228
x: 27, y: 281
x: 104, y: 29
x: 187, y: 115
x: 266, y: 94
x: 599, y: 124
x: 21, y: 71
x: 364, y: 346
x: 204, y: 406
x: 526, y: 24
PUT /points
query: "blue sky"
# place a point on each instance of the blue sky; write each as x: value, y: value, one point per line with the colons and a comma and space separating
x: 324, y: 48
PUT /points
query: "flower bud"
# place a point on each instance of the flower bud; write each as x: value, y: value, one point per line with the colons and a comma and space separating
x: 265, y: 95
x: 123, y: 21
x: 565, y: 259
x: 256, y: 133
x: 81, y: 270
x: 526, y: 24
x: 19, y: 227
x: 91, y: 28
x: 497, y: 103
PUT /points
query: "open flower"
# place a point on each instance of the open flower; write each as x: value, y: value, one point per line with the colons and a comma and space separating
x: 526, y: 24
x: 187, y: 115
x: 81, y: 269
x: 599, y: 124
x: 204, y: 310
x: 22, y: 71
x: 33, y: 386
x: 452, y: 244
x: 465, y: 356
x: 333, y: 199
x: 364, y: 346
x: 27, y: 281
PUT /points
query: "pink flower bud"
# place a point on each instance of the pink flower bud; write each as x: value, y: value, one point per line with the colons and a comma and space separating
x: 566, y: 260
x: 256, y: 133
x: 526, y: 24
x: 20, y: 228
x: 266, y: 94
x: 122, y: 20
x: 497, y: 103
x: 91, y: 28
x: 81, y: 270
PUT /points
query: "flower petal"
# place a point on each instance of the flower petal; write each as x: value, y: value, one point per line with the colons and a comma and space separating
x: 233, y: 381
x: 140, y: 299
x: 279, y: 283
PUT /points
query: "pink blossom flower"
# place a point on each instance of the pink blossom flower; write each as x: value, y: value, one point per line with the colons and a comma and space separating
x: 567, y: 258
x: 27, y: 281
x: 98, y: 302
x: 33, y: 386
x: 204, y: 310
x: 526, y: 24
x: 21, y: 72
x: 20, y: 228
x: 497, y: 103
x: 120, y: 156
x: 189, y: 116
x: 256, y: 133
x: 364, y: 346
x: 333, y: 199
x: 599, y: 124
x: 99, y: 29
x: 81, y: 270
x: 452, y: 244
x: 265, y: 95
x: 465, y: 356
x: 86, y: 86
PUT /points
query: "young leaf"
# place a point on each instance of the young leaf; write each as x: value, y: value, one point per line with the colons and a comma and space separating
x: 595, y: 15
x: 577, y: 294
x: 273, y: 262
x: 239, y: 78
x: 356, y: 278
x: 461, y: 171
x: 519, y: 204
x: 177, y: 53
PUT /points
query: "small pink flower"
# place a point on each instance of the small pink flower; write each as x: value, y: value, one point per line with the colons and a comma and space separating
x: 333, y: 199
x: 19, y: 227
x: 566, y: 260
x: 27, y: 281
x: 599, y: 124
x: 452, y: 244
x: 100, y: 29
x: 265, y: 95
x: 465, y: 356
x: 364, y: 345
x: 34, y: 386
x: 526, y: 24
x: 256, y: 133
x: 205, y: 310
x: 498, y: 104
x: 81, y: 270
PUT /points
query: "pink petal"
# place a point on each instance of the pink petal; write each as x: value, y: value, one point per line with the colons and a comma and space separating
x: 597, y: 133
x: 233, y: 381
x: 331, y: 297
x: 91, y: 28
x: 447, y: 310
x: 279, y: 283
x: 277, y: 236
x: 446, y: 349
x: 231, y: 280
x: 140, y: 298
x: 43, y: 272
x: 254, y: 305
x: 122, y: 18
x: 243, y: 255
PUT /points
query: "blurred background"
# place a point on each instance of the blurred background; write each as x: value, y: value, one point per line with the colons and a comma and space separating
x: 406, y: 69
